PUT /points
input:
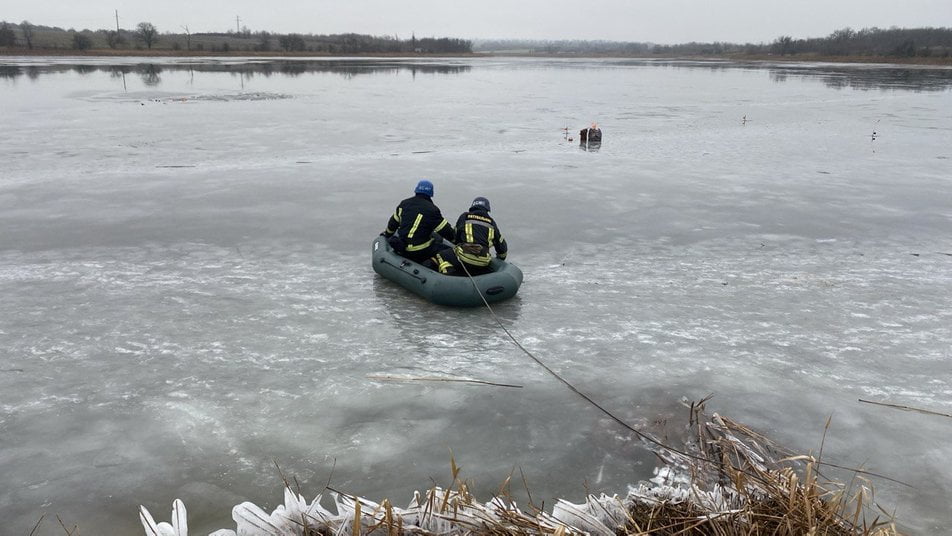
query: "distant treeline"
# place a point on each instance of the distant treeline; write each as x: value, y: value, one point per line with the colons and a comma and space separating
x: 146, y: 36
x: 576, y: 47
x: 869, y: 42
x: 894, y: 42
x: 900, y: 42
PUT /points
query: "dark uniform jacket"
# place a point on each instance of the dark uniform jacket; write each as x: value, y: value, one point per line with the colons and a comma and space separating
x: 414, y: 222
x: 590, y: 135
x: 475, y: 232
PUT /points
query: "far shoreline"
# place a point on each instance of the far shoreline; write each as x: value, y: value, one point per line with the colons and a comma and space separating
x: 759, y: 58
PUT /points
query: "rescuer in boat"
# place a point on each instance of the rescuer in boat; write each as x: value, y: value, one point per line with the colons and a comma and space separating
x: 476, y: 231
x: 411, y: 227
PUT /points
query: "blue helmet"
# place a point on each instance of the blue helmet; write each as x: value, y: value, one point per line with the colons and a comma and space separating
x: 424, y: 187
x: 481, y: 203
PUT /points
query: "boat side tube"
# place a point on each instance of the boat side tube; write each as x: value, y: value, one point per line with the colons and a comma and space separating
x: 441, y: 289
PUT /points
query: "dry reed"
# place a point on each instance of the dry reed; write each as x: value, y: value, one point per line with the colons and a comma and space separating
x: 728, y: 480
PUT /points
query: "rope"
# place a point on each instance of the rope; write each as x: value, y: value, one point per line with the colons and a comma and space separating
x: 568, y: 384
x: 618, y: 420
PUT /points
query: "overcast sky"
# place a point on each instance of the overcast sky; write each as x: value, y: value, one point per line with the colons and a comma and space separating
x: 657, y: 21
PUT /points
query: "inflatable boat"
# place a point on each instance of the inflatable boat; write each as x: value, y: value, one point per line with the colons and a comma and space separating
x: 441, y: 289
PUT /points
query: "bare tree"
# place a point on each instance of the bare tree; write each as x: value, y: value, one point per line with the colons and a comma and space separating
x: 27, y: 29
x: 292, y: 43
x: 264, y: 43
x: 7, y: 37
x: 82, y: 41
x: 114, y: 39
x: 147, y: 33
x: 782, y: 45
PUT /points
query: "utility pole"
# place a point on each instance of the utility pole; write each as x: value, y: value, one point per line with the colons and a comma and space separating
x: 237, y: 25
x: 117, y: 21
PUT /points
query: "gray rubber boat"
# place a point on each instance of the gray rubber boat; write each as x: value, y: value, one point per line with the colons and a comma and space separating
x: 501, y: 284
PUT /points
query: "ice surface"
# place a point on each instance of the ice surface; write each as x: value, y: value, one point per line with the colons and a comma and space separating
x: 187, y: 295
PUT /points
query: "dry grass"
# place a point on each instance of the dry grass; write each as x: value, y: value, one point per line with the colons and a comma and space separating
x: 729, y: 480
x: 765, y: 490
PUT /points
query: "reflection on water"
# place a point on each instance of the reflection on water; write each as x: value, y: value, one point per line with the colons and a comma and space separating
x: 150, y: 74
x: 866, y: 78
x: 591, y: 146
x: 84, y: 69
x: 839, y: 76
x: 150, y: 71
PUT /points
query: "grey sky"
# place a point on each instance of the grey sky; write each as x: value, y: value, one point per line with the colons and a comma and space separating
x: 658, y: 21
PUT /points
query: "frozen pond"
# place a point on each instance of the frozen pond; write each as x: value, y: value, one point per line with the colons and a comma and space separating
x: 187, y: 297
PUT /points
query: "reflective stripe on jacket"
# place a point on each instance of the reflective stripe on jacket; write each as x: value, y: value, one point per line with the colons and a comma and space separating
x: 415, y: 220
x: 476, y: 231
